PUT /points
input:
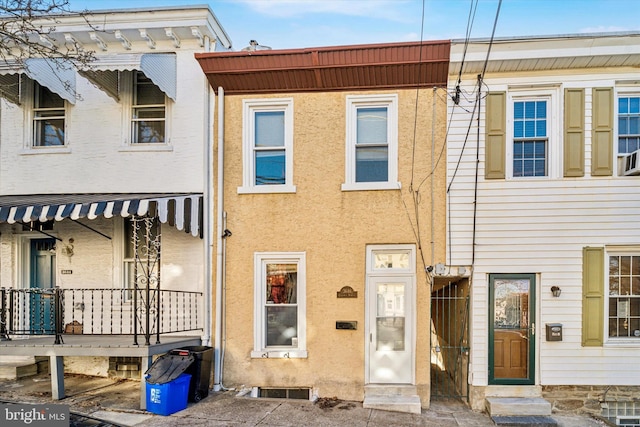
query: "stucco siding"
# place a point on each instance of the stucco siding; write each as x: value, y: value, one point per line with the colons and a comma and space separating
x: 334, y: 228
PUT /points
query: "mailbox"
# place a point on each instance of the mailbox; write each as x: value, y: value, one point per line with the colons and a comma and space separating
x: 554, y: 331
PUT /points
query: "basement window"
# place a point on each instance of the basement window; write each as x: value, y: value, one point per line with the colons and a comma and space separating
x: 285, y: 393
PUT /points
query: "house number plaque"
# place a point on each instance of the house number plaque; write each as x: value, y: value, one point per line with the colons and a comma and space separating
x: 347, y: 292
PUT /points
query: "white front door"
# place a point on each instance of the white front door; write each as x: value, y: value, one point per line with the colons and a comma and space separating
x: 391, y: 323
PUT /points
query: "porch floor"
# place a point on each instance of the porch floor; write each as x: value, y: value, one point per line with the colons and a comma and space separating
x: 93, y: 345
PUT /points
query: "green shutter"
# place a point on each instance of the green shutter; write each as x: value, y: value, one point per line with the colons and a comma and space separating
x: 573, y: 132
x: 495, y: 140
x: 592, y: 296
x: 602, y: 136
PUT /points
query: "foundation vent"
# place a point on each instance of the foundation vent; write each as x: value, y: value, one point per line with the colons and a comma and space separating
x: 285, y: 393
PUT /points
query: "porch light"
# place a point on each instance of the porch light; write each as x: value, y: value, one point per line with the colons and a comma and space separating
x: 555, y: 290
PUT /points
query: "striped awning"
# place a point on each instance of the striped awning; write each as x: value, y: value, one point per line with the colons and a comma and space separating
x: 183, y: 211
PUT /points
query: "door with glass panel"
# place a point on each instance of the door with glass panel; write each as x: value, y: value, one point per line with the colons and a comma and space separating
x: 390, y: 337
x: 512, y: 328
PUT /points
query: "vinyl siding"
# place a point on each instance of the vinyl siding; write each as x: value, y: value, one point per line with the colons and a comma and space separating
x: 540, y: 226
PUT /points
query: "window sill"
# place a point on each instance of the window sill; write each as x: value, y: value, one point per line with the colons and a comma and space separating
x: 146, y: 147
x: 266, y: 189
x: 370, y: 186
x: 623, y: 343
x: 65, y: 149
x: 279, y: 354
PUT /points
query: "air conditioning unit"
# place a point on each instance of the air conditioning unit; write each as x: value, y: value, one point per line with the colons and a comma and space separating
x: 632, y: 163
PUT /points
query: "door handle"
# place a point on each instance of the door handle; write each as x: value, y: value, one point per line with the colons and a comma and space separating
x: 533, y: 329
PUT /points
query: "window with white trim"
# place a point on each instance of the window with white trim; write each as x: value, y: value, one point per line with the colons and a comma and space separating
x: 48, y: 114
x: 267, y: 146
x: 371, y: 152
x: 280, y: 305
x: 533, y: 143
x: 148, y: 112
x: 623, y: 307
x: 628, y: 123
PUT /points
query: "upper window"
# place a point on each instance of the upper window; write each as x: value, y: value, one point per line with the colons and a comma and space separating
x: 148, y: 113
x: 624, y: 295
x: 268, y: 146
x: 372, y: 143
x: 628, y: 124
x: 530, y: 138
x: 280, y: 309
x: 48, y: 117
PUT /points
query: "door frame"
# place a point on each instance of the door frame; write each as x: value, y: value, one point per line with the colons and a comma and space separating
x: 531, y: 360
x: 410, y: 299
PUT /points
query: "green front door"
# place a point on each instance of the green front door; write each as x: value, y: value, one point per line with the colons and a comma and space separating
x: 43, y: 280
x: 512, y: 328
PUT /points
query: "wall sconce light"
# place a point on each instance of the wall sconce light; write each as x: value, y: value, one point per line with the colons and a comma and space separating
x: 555, y: 290
x: 68, y: 249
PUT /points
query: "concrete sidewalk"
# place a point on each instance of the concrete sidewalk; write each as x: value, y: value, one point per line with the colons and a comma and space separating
x: 117, y: 401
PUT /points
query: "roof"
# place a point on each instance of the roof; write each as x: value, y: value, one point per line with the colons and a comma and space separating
x: 546, y: 53
x: 334, y: 68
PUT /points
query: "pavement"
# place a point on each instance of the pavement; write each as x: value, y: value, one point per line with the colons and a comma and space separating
x: 117, y: 401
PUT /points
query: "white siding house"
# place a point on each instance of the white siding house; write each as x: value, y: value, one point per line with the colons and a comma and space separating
x: 538, y: 198
x: 85, y: 149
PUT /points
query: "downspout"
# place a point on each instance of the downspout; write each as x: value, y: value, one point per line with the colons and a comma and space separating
x: 220, y: 318
x: 208, y: 211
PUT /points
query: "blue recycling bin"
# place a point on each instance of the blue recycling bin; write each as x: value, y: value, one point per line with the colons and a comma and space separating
x: 169, y: 397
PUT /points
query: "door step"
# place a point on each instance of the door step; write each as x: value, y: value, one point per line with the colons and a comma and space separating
x: 522, y: 421
x: 517, y: 406
x: 396, y: 398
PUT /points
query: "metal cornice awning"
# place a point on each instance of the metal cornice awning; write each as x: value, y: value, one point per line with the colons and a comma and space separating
x: 57, y: 75
x: 183, y: 211
x: 161, y: 68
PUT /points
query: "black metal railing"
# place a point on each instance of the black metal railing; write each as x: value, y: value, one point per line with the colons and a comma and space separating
x: 56, y: 311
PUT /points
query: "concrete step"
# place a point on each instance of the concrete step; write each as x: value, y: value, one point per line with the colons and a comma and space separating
x: 534, y: 421
x: 517, y: 406
x: 396, y: 398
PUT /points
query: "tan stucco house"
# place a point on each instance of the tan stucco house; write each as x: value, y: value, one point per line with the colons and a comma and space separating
x: 330, y: 192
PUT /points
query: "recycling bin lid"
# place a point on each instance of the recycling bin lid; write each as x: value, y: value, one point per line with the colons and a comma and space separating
x: 168, y: 367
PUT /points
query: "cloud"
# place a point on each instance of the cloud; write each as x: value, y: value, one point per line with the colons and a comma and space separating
x: 384, y: 9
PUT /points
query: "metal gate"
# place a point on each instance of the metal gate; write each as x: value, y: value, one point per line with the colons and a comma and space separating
x: 450, y: 340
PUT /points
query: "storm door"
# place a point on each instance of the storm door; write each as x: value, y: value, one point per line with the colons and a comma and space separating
x: 512, y: 328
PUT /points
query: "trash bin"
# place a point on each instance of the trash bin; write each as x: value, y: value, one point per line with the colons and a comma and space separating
x: 200, y: 370
x: 170, y: 397
x: 167, y: 384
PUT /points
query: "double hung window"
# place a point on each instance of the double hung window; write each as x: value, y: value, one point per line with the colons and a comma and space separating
x: 371, y: 143
x: 48, y: 118
x: 268, y: 146
x: 530, y: 138
x: 148, y: 112
x: 141, y: 245
x: 280, y: 309
x: 628, y: 124
x: 624, y: 295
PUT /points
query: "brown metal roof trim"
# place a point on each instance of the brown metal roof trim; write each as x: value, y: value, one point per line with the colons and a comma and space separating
x: 357, y: 67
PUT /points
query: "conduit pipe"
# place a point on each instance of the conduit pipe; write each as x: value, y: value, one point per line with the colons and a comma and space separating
x: 217, y: 371
x: 207, y: 232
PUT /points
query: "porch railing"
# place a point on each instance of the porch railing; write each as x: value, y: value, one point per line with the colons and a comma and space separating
x: 59, y: 312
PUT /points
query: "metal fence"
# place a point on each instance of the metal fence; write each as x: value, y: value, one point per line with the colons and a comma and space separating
x: 56, y: 311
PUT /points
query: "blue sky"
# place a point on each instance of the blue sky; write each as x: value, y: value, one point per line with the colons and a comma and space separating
x: 283, y: 24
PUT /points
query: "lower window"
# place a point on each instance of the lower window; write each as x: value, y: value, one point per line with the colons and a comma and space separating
x: 624, y: 295
x: 280, y: 309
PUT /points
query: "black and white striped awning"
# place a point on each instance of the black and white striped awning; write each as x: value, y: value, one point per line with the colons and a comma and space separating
x: 183, y: 211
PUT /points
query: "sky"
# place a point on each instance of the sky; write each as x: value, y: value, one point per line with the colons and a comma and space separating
x: 288, y: 24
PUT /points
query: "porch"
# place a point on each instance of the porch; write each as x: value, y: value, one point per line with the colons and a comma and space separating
x: 55, y: 323
x: 92, y: 345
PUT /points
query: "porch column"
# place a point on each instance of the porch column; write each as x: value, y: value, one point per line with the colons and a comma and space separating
x: 144, y: 367
x: 56, y: 367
